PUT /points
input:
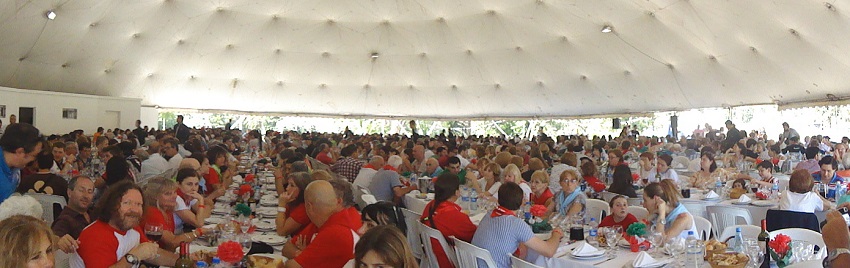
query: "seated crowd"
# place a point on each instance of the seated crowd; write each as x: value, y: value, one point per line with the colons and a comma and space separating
x: 117, y: 183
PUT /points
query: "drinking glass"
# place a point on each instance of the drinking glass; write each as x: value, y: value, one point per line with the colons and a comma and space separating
x: 618, y: 229
x: 756, y: 255
x: 655, y: 239
x: 153, y: 232
x: 245, y: 223
x: 675, y: 246
x: 612, y: 238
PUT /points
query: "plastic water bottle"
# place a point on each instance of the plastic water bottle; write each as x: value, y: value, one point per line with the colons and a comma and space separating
x: 201, y: 264
x: 593, y: 234
x: 718, y: 186
x: 473, y: 201
x: 216, y: 263
x: 694, y: 248
x: 464, y: 198
x: 739, y: 241
x: 526, y: 209
x: 774, y: 190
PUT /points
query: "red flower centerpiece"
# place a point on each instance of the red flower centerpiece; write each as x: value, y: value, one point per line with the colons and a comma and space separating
x: 230, y: 251
x: 538, y: 225
x: 780, y: 249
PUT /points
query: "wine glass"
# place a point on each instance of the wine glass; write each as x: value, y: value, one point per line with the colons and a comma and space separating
x: 655, y: 239
x: 675, y: 246
x: 756, y: 255
x: 612, y: 238
x: 153, y: 232
x: 245, y: 223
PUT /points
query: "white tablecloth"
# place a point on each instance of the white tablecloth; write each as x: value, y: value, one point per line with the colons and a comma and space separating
x: 624, y: 259
x: 416, y: 204
x: 697, y: 206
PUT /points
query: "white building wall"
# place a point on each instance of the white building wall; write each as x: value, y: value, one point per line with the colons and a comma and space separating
x: 92, y: 111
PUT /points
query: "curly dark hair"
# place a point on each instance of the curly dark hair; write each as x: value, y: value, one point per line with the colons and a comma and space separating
x: 107, y: 206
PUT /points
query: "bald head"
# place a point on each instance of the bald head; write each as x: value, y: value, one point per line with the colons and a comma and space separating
x: 321, y: 201
x: 153, y: 147
x: 190, y: 163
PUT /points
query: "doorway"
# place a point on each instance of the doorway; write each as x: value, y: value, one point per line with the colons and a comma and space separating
x: 26, y: 115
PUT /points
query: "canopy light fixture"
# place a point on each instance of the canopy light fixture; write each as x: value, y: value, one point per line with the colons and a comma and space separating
x: 51, y: 15
x: 607, y: 29
x: 375, y: 55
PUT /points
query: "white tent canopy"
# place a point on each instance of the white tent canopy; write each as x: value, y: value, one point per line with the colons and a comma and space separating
x: 430, y: 58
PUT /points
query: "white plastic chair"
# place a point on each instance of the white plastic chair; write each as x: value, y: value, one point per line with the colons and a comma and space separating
x: 681, y: 162
x: 703, y: 227
x: 607, y: 196
x: 635, y: 201
x: 746, y: 231
x: 469, y: 254
x: 364, y: 190
x: 638, y: 211
x: 805, y: 235
x: 428, y: 233
x: 411, y: 219
x: 516, y: 262
x: 47, y: 201
x: 725, y: 216
x: 369, y: 199
x: 694, y: 165
x: 595, y: 207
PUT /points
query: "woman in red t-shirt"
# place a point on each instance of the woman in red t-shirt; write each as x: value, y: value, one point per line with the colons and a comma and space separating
x: 295, y: 217
x: 444, y: 215
x: 540, y: 193
x: 620, y: 215
x: 589, y: 173
x: 160, y: 200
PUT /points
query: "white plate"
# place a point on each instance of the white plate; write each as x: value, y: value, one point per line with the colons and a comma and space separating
x: 265, y: 225
x: 736, y: 202
x: 269, y: 239
x: 195, y: 248
x: 763, y: 203
x: 711, y: 199
x: 213, y: 220
x: 659, y: 264
x: 273, y: 256
x: 268, y: 203
x: 587, y: 258
x: 222, y: 211
x: 267, y: 211
x: 590, y: 255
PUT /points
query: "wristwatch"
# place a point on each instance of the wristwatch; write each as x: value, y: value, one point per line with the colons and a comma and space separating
x: 132, y: 259
x: 834, y: 253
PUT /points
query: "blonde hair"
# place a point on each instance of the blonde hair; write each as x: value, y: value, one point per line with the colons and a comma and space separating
x: 389, y: 243
x: 540, y: 176
x: 495, y: 168
x: 570, y: 172
x: 512, y: 170
x: 156, y: 187
x: 21, y: 237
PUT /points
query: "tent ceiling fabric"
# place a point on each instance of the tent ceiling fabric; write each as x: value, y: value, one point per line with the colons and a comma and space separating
x: 436, y: 58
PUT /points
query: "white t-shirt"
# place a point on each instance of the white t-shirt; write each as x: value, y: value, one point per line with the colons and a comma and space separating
x: 181, y: 205
x: 493, y: 189
x: 669, y: 174
x: 526, y: 191
x: 808, y: 202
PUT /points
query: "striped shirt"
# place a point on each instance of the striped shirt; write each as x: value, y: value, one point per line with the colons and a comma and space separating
x: 501, y: 236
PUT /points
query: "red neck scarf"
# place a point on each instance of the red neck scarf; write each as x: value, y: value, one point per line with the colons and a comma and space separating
x: 501, y: 211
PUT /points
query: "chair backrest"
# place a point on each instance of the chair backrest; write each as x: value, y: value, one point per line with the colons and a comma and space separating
x: 725, y: 216
x: 427, y: 234
x: 703, y: 227
x: 805, y: 235
x: 639, y: 212
x: 469, y: 254
x: 595, y: 209
x: 681, y: 162
x: 47, y: 202
x: 517, y: 262
x: 411, y: 219
x: 694, y: 165
x: 783, y: 185
x: 635, y: 201
x: 369, y: 199
x: 607, y: 196
x: 783, y: 219
x: 746, y: 231
x: 364, y: 190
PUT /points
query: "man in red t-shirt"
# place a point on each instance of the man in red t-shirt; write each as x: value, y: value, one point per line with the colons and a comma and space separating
x: 335, y: 229
x: 115, y: 238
